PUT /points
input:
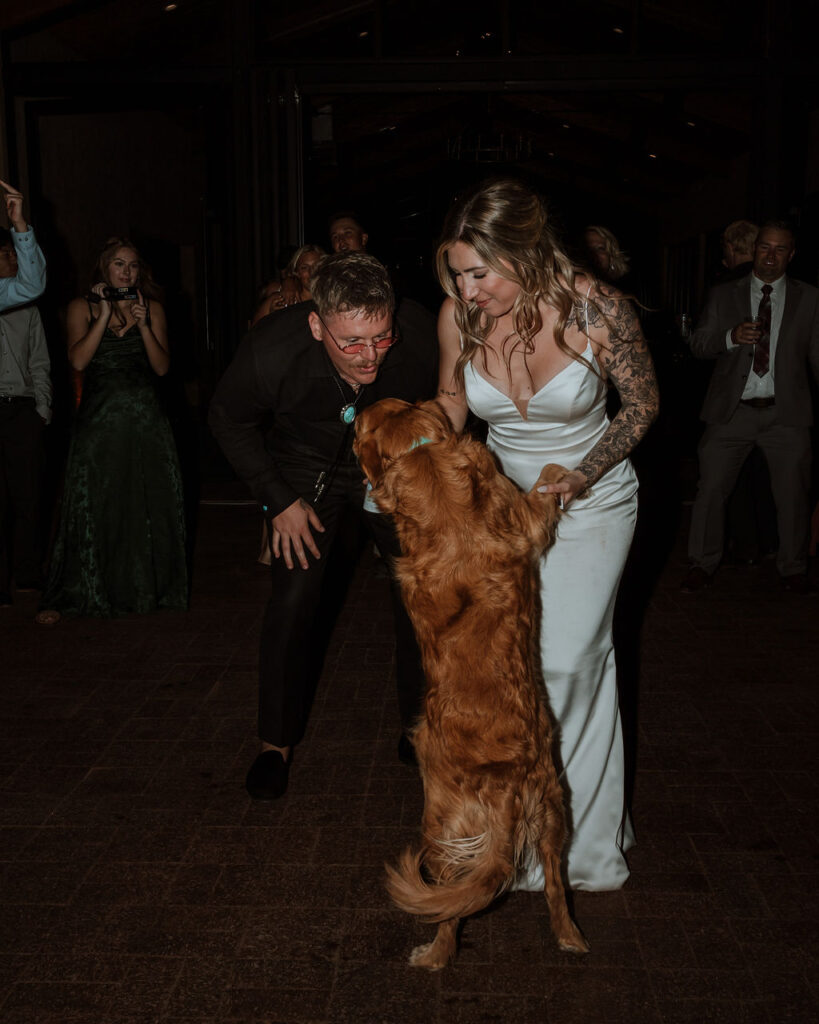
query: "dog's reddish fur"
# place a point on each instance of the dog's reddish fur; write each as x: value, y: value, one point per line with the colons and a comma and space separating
x: 470, y: 541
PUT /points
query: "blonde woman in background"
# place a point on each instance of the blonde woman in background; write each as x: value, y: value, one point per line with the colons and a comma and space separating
x: 295, y: 283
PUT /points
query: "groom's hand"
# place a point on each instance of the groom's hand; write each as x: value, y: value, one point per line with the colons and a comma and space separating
x: 292, y: 533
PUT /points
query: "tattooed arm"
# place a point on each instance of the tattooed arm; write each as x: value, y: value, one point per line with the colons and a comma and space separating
x: 623, y: 355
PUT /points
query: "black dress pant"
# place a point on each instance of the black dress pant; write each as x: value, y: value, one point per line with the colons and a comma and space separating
x: 296, y: 626
x: 723, y: 450
x: 750, y: 515
x: 21, y: 472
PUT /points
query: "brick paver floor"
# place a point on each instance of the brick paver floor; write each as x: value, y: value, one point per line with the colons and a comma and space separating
x: 140, y: 883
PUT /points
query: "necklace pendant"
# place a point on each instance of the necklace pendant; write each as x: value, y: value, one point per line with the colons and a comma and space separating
x: 347, y: 414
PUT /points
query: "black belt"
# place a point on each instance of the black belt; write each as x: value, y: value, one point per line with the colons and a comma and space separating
x: 758, y: 403
x: 16, y: 398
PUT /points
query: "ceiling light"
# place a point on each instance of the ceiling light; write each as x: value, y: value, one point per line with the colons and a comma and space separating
x: 691, y: 124
x: 171, y: 7
x: 618, y: 31
x: 363, y: 35
x: 652, y: 156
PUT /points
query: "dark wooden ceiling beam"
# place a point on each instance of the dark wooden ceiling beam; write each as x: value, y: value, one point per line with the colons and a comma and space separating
x: 580, y: 74
x: 35, y: 80
x: 18, y: 13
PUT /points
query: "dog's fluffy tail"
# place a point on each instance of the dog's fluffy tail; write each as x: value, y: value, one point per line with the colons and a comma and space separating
x: 448, y: 878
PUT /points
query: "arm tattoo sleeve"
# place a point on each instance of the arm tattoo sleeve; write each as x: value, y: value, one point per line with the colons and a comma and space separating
x: 627, y: 361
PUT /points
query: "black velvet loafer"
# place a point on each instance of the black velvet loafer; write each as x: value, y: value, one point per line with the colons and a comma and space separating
x: 268, y: 776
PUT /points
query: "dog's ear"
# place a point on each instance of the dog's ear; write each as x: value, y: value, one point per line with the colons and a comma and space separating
x: 369, y: 458
x: 412, y: 485
x: 374, y: 443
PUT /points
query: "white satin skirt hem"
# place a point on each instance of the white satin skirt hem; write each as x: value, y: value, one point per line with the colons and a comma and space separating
x: 579, y: 579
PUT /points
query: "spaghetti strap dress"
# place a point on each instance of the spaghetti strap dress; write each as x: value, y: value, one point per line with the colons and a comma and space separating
x: 120, y: 545
x: 579, y: 577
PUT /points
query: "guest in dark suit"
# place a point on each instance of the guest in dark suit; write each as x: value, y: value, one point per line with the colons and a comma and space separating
x: 759, y: 396
x: 283, y: 414
x: 750, y: 515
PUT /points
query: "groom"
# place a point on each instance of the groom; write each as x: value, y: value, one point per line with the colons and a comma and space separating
x: 283, y: 414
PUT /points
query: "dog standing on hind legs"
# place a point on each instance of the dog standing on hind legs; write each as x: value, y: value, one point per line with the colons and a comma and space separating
x: 470, y: 542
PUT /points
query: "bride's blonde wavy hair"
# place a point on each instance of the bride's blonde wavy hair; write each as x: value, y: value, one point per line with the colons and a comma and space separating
x: 507, y: 225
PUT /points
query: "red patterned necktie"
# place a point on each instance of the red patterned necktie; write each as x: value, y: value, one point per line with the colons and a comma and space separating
x: 762, y: 349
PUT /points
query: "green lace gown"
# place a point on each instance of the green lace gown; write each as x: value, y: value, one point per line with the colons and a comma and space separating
x: 120, y: 547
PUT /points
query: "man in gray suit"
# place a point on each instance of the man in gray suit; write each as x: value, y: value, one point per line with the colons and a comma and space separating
x: 762, y: 330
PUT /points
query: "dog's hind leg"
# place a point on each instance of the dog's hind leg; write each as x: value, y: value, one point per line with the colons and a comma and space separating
x: 566, y: 931
x: 437, y: 954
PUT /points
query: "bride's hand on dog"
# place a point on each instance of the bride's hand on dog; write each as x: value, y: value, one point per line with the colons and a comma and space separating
x: 292, y: 534
x: 569, y: 487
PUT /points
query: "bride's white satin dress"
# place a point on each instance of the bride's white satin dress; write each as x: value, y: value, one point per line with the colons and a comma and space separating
x: 579, y: 579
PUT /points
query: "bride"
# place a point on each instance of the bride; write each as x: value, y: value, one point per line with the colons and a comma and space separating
x: 529, y: 344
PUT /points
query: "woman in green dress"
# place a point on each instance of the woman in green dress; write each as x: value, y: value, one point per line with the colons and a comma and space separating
x: 120, y: 546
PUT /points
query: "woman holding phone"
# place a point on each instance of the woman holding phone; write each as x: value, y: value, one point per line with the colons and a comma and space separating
x: 120, y: 546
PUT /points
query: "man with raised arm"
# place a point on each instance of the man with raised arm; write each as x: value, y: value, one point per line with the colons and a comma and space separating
x: 30, y: 279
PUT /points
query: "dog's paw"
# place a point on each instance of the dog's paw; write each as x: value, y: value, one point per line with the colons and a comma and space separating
x: 550, y: 475
x: 428, y: 957
x: 574, y: 943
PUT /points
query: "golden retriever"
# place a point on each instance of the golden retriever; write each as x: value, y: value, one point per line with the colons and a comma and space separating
x: 470, y: 543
